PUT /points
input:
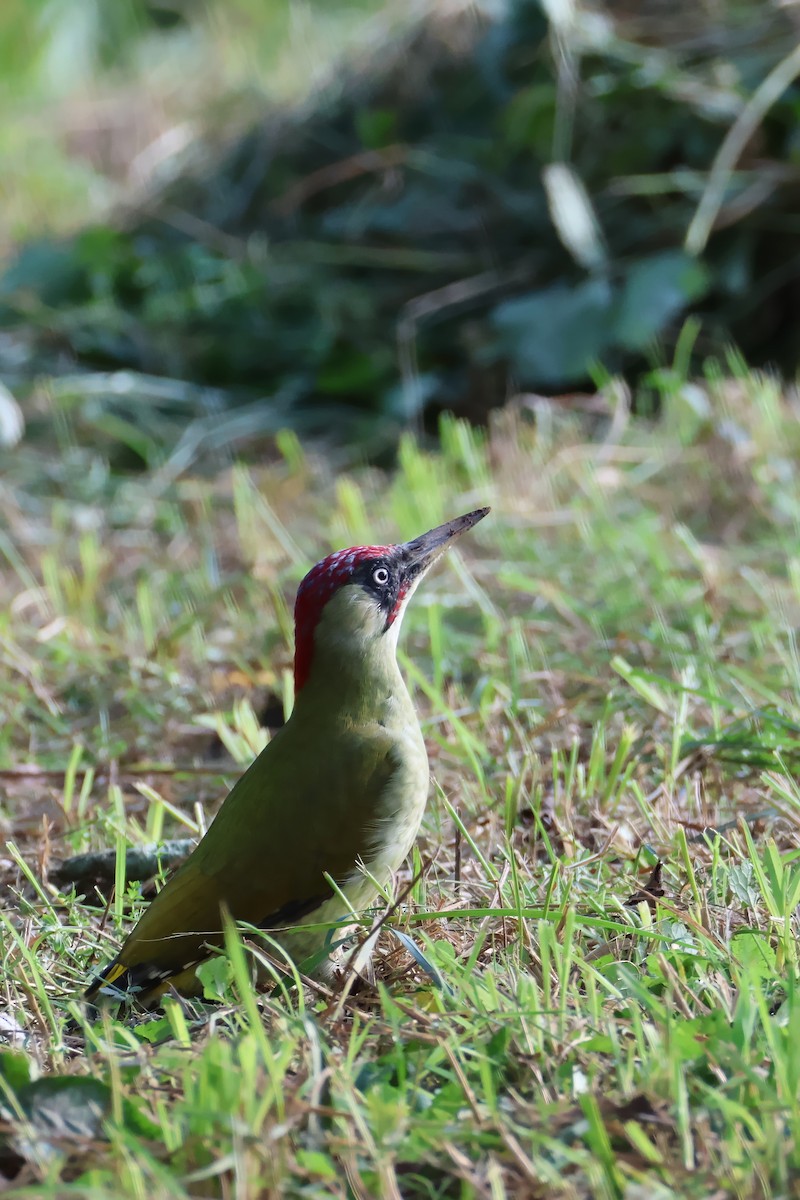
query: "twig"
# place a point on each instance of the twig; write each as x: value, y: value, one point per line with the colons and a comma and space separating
x: 367, y: 162
x: 766, y: 94
x: 141, y: 862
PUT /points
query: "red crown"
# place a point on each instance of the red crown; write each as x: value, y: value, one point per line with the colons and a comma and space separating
x: 322, y: 582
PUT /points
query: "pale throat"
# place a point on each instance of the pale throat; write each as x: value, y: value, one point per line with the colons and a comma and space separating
x: 354, y: 663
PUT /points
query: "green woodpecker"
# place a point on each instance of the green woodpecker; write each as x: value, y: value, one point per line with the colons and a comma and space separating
x: 338, y: 792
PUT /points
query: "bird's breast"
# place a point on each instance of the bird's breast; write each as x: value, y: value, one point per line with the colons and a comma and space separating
x: 398, y: 815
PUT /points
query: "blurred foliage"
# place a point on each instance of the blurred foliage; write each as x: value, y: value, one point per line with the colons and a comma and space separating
x: 52, y: 46
x: 489, y: 204
x: 98, y: 98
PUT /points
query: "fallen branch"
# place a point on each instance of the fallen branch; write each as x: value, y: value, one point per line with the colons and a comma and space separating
x: 141, y: 862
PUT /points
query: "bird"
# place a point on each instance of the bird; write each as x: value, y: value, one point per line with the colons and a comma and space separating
x: 337, y: 794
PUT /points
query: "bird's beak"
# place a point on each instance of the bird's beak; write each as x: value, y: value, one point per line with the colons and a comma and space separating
x: 424, y: 550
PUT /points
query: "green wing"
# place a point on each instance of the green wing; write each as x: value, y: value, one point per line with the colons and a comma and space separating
x: 297, y: 813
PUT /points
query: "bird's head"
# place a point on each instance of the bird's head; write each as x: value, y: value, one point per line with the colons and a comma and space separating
x: 353, y: 601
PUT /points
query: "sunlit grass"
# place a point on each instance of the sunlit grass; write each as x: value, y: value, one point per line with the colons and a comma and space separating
x: 606, y: 687
x: 102, y: 100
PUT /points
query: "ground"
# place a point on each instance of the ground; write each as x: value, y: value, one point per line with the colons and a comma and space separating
x: 588, y: 987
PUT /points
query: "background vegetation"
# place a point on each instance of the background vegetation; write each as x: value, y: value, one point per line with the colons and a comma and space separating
x: 589, y: 987
x: 484, y: 201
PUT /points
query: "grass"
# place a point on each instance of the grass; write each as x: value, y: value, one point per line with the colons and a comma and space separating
x: 608, y: 679
x: 102, y: 101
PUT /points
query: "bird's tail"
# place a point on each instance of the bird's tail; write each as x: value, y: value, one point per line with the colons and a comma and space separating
x: 142, y: 984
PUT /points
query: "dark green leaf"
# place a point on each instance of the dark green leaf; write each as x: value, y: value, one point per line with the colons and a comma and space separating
x: 656, y: 290
x: 553, y: 336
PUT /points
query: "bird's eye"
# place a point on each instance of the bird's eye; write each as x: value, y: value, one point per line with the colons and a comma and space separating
x: 380, y: 576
